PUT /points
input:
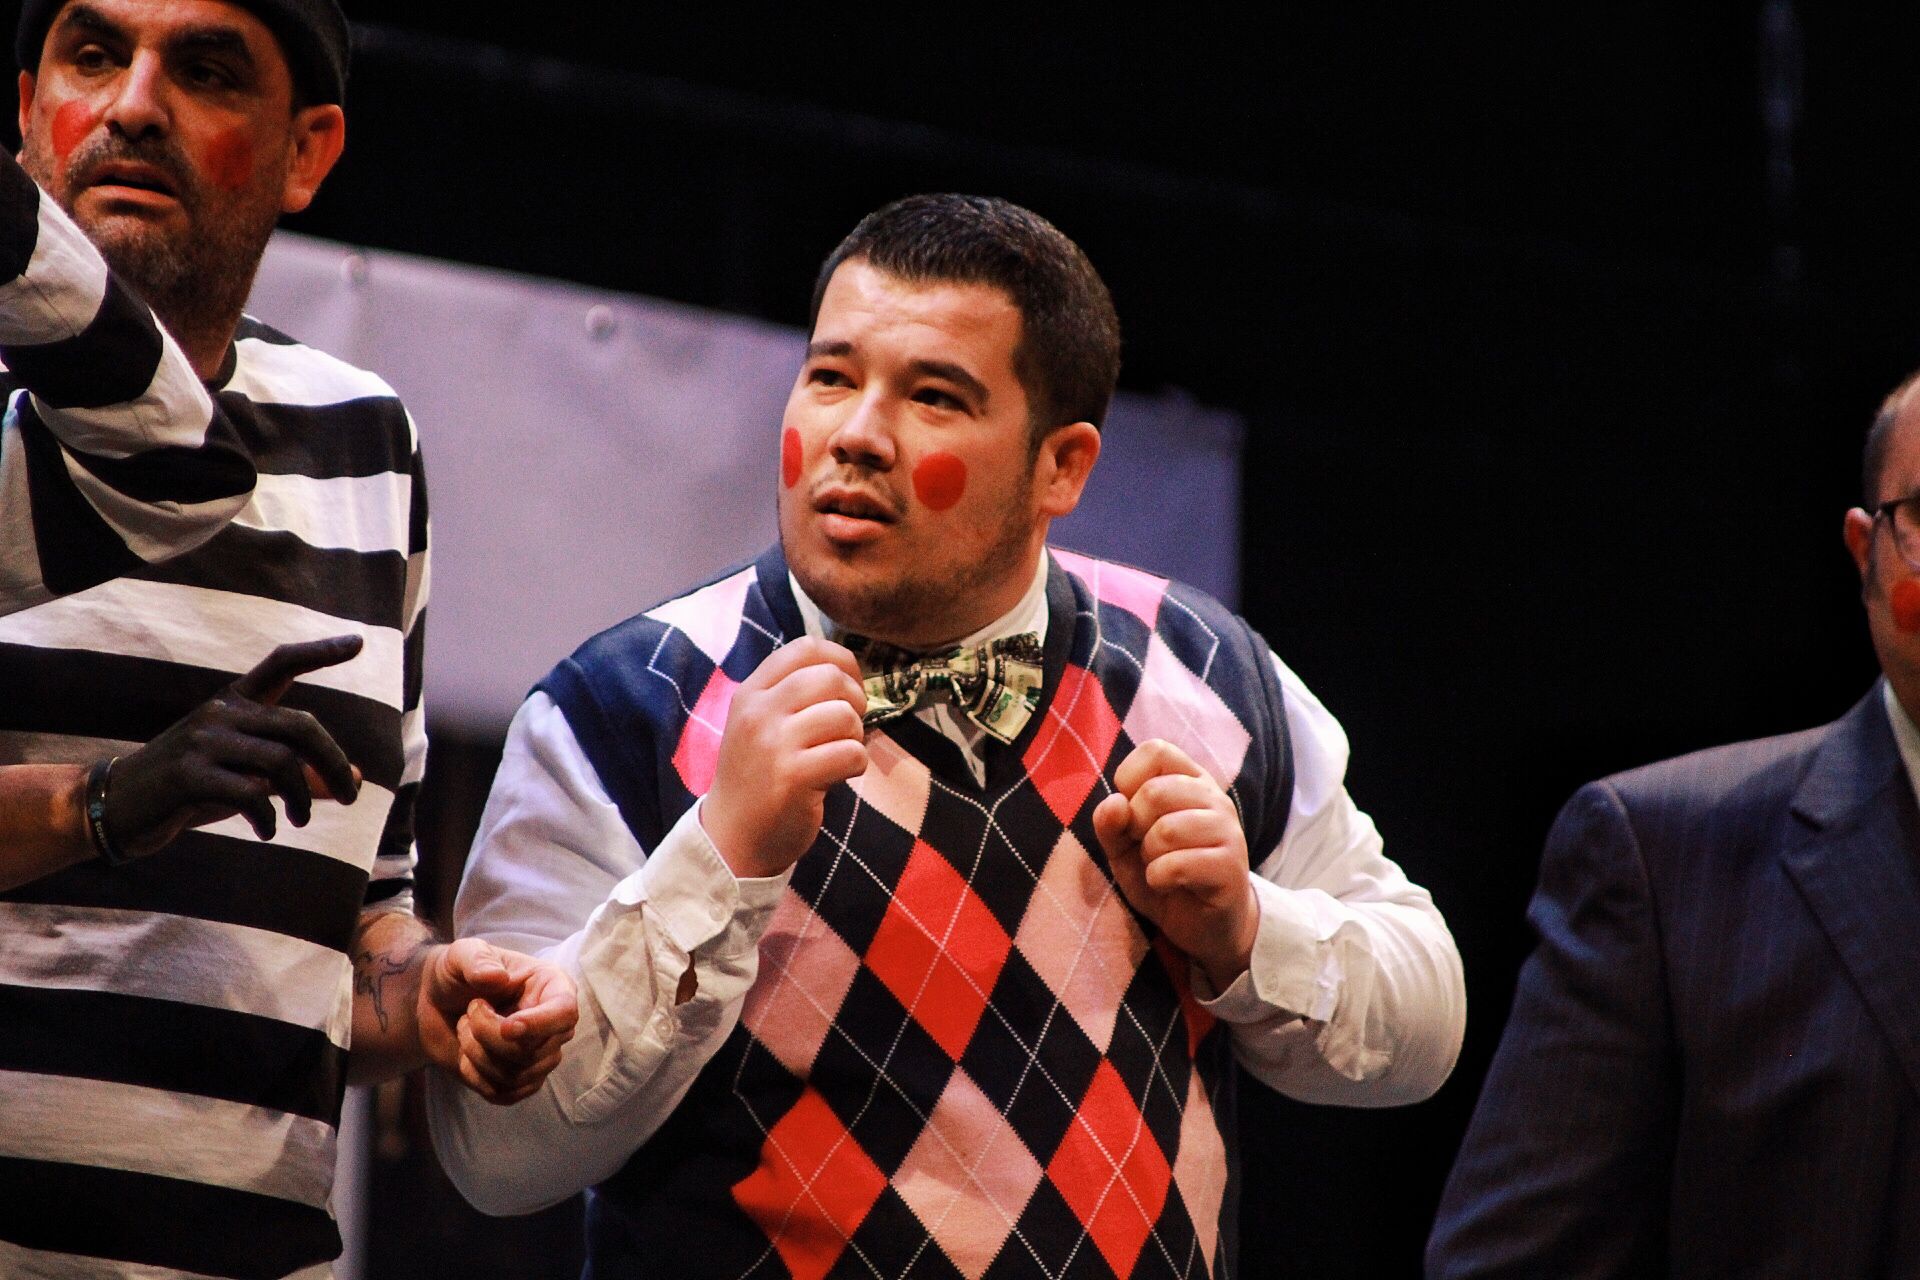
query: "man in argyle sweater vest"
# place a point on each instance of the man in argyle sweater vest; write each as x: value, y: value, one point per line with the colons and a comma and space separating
x: 946, y: 993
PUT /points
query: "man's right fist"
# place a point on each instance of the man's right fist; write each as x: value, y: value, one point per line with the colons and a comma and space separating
x: 793, y: 731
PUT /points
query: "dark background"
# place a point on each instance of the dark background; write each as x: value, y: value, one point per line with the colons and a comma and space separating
x: 1556, y: 331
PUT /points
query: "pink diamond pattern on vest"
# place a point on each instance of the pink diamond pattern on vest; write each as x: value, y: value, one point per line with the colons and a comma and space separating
x: 1116, y: 584
x: 1079, y: 936
x: 699, y: 749
x: 813, y: 1188
x: 939, y: 949
x: 805, y: 970
x: 895, y: 783
x: 968, y: 1177
x: 710, y: 617
x: 1175, y: 704
x: 1111, y: 1172
x: 1071, y: 746
x: 1200, y: 1170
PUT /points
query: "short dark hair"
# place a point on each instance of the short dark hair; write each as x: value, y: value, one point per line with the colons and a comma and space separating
x: 1880, y: 439
x: 1068, y: 359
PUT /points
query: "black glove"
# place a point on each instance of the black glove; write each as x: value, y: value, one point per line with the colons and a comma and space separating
x: 230, y: 755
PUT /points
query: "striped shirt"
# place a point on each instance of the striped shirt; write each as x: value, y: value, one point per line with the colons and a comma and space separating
x: 119, y: 456
x: 175, y: 1032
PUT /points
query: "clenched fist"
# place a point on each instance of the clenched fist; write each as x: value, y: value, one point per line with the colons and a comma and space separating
x: 1174, y: 841
x: 494, y: 1017
x: 793, y: 731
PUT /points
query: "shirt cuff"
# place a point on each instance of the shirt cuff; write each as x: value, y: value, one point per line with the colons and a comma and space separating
x: 1286, y: 976
x: 695, y: 896
x: 683, y: 911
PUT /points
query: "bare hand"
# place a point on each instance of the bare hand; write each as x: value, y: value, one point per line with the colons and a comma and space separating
x: 494, y: 1017
x: 1174, y: 841
x: 793, y: 731
x: 232, y: 754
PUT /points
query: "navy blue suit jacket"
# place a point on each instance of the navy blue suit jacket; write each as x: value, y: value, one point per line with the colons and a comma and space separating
x: 1713, y: 1063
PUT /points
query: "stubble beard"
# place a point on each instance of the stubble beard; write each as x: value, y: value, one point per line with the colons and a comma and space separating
x: 196, y: 280
x: 911, y: 608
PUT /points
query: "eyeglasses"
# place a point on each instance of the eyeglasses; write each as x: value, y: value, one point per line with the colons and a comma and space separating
x: 1903, y: 515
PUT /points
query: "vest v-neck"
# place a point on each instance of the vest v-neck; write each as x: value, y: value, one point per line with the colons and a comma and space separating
x: 1003, y: 760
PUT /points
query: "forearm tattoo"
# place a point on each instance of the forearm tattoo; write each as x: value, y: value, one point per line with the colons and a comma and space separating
x: 374, y: 971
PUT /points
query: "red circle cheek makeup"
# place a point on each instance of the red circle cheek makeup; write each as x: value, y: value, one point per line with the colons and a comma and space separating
x: 790, y: 457
x: 71, y: 123
x: 229, y: 160
x: 940, y: 480
x: 1905, y: 599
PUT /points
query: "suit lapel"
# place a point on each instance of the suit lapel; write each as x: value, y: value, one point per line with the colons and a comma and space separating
x: 1857, y: 863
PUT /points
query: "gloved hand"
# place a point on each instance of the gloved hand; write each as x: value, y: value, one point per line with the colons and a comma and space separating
x: 230, y: 755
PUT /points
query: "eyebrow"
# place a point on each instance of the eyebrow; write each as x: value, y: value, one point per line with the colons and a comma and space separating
x: 952, y: 373
x: 944, y: 369
x: 212, y: 38
x: 89, y: 18
x: 225, y: 40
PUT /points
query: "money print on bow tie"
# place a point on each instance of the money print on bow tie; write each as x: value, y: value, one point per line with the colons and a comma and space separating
x: 996, y: 685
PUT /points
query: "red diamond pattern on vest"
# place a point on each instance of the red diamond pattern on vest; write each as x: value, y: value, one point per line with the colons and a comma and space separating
x: 699, y: 749
x: 1080, y: 938
x: 1111, y: 1172
x: 938, y: 949
x: 813, y: 1188
x: 1071, y: 746
x: 791, y: 1007
x: 968, y: 1177
x: 1180, y: 970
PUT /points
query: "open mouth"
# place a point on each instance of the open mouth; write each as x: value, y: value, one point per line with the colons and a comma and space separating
x: 851, y: 517
x: 853, y: 504
x: 132, y: 177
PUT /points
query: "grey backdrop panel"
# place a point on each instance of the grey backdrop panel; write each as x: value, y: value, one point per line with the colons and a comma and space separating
x: 590, y: 453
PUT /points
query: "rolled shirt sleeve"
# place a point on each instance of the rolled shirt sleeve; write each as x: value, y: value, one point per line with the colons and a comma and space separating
x: 1355, y: 995
x: 553, y: 850
x: 115, y: 455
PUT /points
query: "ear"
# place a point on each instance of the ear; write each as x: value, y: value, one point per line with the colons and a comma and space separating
x: 26, y: 100
x: 319, y: 136
x: 1066, y: 460
x: 1858, y: 532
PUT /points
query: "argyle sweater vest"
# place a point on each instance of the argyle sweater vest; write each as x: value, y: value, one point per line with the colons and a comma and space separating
x: 964, y: 1053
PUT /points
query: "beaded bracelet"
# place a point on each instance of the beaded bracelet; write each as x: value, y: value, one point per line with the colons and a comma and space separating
x: 103, y: 844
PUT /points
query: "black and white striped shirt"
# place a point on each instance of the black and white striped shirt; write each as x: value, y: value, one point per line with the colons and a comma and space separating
x: 119, y: 457
x: 173, y: 1034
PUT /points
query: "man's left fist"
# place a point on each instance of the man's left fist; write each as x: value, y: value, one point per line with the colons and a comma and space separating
x: 494, y: 1017
x: 1174, y: 841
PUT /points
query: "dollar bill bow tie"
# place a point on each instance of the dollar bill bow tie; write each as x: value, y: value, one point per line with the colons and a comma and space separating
x: 995, y: 685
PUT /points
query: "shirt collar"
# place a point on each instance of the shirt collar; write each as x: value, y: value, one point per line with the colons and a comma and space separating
x: 1030, y: 614
x: 1905, y: 732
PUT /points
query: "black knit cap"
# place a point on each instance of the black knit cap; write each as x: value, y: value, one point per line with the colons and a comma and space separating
x: 312, y: 33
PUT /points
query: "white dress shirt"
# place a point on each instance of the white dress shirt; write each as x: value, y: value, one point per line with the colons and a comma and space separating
x: 1354, y: 995
x: 1906, y: 733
